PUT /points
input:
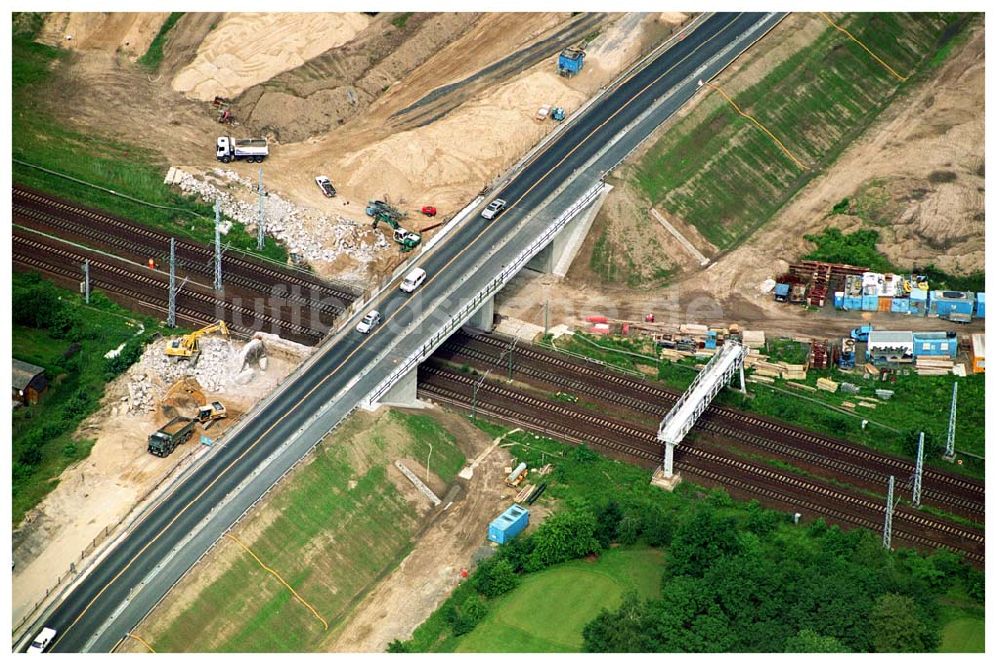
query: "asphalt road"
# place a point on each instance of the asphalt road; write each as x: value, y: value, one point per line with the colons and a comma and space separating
x: 92, y: 616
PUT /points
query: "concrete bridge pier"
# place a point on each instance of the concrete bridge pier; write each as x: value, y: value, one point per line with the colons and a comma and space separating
x: 483, y: 318
x: 403, y: 394
x: 557, y: 257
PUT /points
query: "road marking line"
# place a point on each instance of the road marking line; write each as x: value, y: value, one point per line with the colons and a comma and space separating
x: 755, y: 122
x: 870, y: 52
x: 430, y: 279
x: 326, y: 627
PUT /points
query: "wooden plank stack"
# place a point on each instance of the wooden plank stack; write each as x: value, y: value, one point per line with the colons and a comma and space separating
x: 827, y: 385
x: 933, y: 366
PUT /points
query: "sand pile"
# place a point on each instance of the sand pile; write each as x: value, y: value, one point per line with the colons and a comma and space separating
x: 314, y: 236
x: 442, y: 161
x: 247, y: 49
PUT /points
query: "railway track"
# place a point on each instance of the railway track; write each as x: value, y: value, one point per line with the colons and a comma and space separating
x: 40, y: 211
x: 965, y: 497
x: 147, y: 288
x: 640, y: 446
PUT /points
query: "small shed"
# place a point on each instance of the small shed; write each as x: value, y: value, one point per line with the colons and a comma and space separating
x: 781, y: 292
x: 508, y: 525
x: 28, y: 382
x: 935, y: 344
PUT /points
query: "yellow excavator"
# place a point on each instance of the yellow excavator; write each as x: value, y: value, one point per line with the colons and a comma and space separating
x: 186, y: 347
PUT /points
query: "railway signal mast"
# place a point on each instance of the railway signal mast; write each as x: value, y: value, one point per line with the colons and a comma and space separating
x: 172, y: 293
x: 218, y: 249
x: 889, y: 507
x: 260, y: 209
x: 86, y: 281
x: 949, y: 449
x: 918, y: 475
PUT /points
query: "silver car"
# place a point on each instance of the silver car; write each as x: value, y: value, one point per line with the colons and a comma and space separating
x: 495, y: 207
x: 368, y: 323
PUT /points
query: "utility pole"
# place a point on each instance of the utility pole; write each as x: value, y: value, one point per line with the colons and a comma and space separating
x: 427, y: 474
x: 889, y: 505
x: 510, y: 357
x: 546, y: 318
x: 949, y: 449
x: 218, y: 249
x: 475, y: 393
x: 918, y: 475
x: 172, y: 296
x: 260, y: 209
x: 86, y: 281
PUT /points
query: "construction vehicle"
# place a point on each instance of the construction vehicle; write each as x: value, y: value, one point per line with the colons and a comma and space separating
x: 846, y: 358
x: 211, y: 412
x: 571, y: 61
x: 558, y: 114
x: 377, y: 206
x: 186, y: 347
x: 542, y: 113
x: 402, y: 236
x: 228, y: 149
x: 166, y: 439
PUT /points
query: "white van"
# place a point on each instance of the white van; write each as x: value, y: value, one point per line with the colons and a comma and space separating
x: 413, y: 280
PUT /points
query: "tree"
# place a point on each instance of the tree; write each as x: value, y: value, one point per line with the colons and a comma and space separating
x: 897, y: 628
x: 564, y: 536
x: 494, y: 577
x: 608, y: 519
x: 622, y: 630
x: 398, y: 646
x: 465, y: 617
x: 808, y: 641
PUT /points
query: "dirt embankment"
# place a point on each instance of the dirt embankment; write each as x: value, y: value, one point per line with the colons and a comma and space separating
x: 126, y: 33
x: 917, y: 175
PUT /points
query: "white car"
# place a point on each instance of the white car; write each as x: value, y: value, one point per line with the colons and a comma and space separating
x: 325, y: 185
x: 413, y: 280
x: 495, y: 207
x: 41, y: 641
x: 368, y: 323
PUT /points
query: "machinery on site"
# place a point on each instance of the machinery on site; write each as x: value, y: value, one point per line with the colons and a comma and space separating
x: 165, y: 440
x: 406, y: 239
x: 571, y: 61
x: 558, y: 114
x: 377, y: 206
x: 517, y: 475
x: 186, y: 347
x: 228, y: 149
x: 212, y: 412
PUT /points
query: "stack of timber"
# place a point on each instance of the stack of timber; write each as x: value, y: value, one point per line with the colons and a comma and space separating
x: 933, y: 366
x: 827, y: 385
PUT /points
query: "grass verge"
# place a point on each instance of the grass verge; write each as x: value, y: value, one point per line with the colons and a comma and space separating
x: 154, y: 54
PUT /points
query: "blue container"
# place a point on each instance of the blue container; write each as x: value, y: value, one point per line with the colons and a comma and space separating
x: 918, y: 308
x: 946, y: 302
x: 508, y: 525
x: 710, y: 340
x: 781, y: 292
x: 852, y: 303
x: 935, y: 344
x: 980, y: 304
x: 571, y: 61
x: 869, y: 303
x: 900, y: 305
x: 838, y: 301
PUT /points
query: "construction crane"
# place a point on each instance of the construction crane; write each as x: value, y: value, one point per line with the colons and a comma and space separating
x: 186, y: 347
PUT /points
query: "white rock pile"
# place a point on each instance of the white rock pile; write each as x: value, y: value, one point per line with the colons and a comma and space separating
x: 325, y: 241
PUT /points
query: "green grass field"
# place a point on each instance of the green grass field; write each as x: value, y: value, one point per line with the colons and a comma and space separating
x: 967, y: 634
x: 719, y: 172
x: 548, y: 610
x: 331, y: 532
x: 38, y: 139
x: 42, y: 435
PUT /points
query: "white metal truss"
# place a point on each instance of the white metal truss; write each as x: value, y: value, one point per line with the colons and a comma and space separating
x: 949, y: 448
x: 890, y: 506
x: 726, y: 363
x: 918, y: 474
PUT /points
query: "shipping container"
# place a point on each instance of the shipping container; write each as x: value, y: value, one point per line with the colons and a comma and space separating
x: 884, y: 304
x: 900, y: 305
x: 838, y: 301
x: 710, y: 340
x: 946, y: 302
x: 978, y: 353
x: 980, y: 304
x: 508, y: 525
x: 869, y: 303
x: 781, y: 292
x: 852, y: 303
x: 935, y: 344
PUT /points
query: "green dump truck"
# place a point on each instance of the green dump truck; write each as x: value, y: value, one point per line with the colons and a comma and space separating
x: 163, y: 441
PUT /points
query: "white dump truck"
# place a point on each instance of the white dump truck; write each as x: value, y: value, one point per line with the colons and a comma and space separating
x: 228, y: 149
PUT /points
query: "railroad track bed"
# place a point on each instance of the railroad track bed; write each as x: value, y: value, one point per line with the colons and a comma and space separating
x: 957, y: 494
x: 67, y: 220
x: 147, y: 290
x: 638, y: 445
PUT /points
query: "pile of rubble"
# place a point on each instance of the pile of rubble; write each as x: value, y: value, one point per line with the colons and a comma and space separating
x: 282, y: 219
x: 220, y: 364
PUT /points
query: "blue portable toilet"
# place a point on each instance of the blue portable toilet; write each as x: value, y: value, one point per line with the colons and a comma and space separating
x: 838, y: 301
x: 710, y: 340
x: 980, y: 304
x: 571, y: 61
x: 508, y: 525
